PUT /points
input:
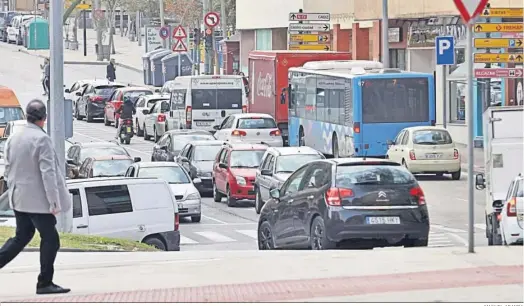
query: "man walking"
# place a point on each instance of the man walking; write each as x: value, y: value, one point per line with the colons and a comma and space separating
x: 37, y: 193
x: 43, y: 67
x: 111, y: 71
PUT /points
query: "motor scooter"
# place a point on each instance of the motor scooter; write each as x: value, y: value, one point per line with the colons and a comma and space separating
x: 126, y: 131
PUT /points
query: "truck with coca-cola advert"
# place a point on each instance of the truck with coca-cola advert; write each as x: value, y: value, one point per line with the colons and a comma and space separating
x: 268, y: 78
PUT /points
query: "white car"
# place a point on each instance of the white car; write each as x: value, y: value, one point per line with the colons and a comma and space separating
x: 14, y: 31
x: 145, y: 102
x: 426, y: 149
x: 512, y: 214
x: 251, y: 128
x: 78, y: 86
x: 186, y: 194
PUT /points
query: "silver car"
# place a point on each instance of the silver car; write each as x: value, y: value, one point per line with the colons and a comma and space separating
x: 155, y: 120
x: 278, y: 163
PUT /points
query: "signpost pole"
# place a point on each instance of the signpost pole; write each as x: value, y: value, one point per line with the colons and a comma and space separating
x: 179, y: 64
x: 98, y: 8
x: 471, y: 135
x: 385, y: 38
x: 162, y: 21
x: 137, y: 28
x: 444, y: 96
x: 84, y: 30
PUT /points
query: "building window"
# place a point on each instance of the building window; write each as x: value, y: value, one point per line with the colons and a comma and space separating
x: 457, y: 101
x: 263, y: 39
x: 397, y: 58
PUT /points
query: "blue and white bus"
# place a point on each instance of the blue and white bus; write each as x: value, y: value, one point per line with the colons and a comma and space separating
x: 354, y: 108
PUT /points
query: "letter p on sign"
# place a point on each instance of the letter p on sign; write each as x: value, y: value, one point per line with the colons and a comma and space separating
x: 445, y: 50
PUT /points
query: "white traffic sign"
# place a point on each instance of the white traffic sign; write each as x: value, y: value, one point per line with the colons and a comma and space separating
x: 179, y: 32
x: 309, y: 27
x: 211, y: 19
x: 469, y: 9
x: 309, y: 17
x: 179, y: 46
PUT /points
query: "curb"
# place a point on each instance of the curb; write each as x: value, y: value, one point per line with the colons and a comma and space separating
x: 70, y: 250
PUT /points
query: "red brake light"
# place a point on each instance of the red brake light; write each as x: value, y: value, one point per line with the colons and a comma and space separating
x: 356, y: 127
x: 96, y: 99
x: 238, y: 133
x: 275, y: 133
x: 161, y: 118
x: 417, y: 193
x: 189, y: 114
x: 512, y: 208
x: 334, y: 196
x: 244, y: 108
x: 456, y: 154
x: 177, y: 221
x: 412, y: 155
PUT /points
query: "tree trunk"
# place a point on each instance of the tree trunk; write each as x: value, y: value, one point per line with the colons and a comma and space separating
x: 111, y: 30
x: 68, y: 12
x: 75, y: 28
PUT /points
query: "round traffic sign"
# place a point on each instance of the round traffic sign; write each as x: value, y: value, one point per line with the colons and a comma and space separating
x: 211, y: 19
x: 164, y: 32
x: 99, y: 14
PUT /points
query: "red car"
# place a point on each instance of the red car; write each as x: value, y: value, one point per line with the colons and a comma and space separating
x: 117, y: 98
x: 234, y: 172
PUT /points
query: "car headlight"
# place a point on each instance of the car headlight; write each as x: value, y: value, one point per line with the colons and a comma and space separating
x: 241, y: 180
x: 193, y: 196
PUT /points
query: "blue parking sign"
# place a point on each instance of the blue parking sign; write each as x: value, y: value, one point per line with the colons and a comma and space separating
x: 445, y: 50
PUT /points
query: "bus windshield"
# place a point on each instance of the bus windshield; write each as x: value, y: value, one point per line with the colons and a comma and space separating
x: 221, y: 98
x: 395, y: 100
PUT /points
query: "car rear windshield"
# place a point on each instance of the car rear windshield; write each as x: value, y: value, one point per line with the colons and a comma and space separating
x: 135, y: 94
x: 256, y: 123
x: 206, y: 153
x: 216, y: 98
x: 105, y: 91
x: 182, y: 140
x: 350, y: 175
x: 101, y: 151
x: 520, y: 191
x: 246, y: 158
x: 290, y: 163
x: 431, y: 137
x: 117, y: 167
x: 10, y: 114
x: 152, y: 102
x: 172, y: 175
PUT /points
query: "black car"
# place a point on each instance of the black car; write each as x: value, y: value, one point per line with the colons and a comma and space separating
x: 92, y: 100
x: 345, y: 202
x: 78, y: 152
x: 197, y: 157
x: 172, y: 142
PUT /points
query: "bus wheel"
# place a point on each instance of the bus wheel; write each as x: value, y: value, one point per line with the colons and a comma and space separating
x: 335, y: 146
x: 301, y: 140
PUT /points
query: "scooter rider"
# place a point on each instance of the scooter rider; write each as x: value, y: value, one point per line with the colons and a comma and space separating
x: 126, y: 111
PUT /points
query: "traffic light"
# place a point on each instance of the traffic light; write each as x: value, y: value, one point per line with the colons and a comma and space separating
x: 196, y: 35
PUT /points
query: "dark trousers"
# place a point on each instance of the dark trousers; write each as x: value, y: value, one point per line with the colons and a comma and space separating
x: 26, y: 223
x: 47, y: 83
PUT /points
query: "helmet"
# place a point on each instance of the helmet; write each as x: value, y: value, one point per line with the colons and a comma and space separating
x: 127, y: 99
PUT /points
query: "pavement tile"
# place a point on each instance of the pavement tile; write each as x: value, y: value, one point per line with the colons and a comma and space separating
x: 288, y: 290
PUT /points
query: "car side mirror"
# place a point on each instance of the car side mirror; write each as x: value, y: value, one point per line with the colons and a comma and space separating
x: 222, y: 165
x: 137, y: 159
x: 183, y: 159
x: 78, y: 94
x: 480, y: 181
x: 164, y: 148
x: 197, y: 181
x: 266, y: 172
x: 145, y: 111
x: 157, y: 90
x: 390, y: 142
x: 70, y: 162
x: 275, y: 193
x: 67, y: 90
x: 75, y: 173
x: 216, y: 127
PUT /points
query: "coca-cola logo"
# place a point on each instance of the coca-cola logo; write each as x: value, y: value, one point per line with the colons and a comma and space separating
x: 264, y: 85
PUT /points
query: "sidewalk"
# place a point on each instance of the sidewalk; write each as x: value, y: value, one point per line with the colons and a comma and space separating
x: 393, y: 275
x: 478, y: 163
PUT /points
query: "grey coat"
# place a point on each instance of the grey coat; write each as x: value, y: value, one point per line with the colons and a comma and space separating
x: 36, y: 184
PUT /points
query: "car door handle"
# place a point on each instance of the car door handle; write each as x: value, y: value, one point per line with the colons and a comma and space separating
x: 311, y: 197
x: 82, y: 226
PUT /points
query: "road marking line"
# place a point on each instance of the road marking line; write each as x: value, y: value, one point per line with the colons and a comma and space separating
x: 440, y: 245
x: 185, y: 240
x: 216, y: 237
x: 481, y: 226
x: 460, y: 239
x: 251, y: 233
x: 462, y: 199
x: 447, y: 229
x: 213, y: 219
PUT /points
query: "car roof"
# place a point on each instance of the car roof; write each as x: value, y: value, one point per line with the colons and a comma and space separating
x: 101, y: 82
x: 112, y: 157
x: 98, y: 144
x: 189, y: 132
x: 156, y: 96
x: 293, y: 150
x: 251, y: 115
x: 106, y: 179
x: 135, y: 88
x: 359, y: 160
x: 427, y: 127
x: 246, y: 146
x: 207, y: 142
x: 156, y: 164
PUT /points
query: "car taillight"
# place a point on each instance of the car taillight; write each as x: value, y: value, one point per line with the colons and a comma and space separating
x: 356, y: 127
x: 177, y: 221
x: 161, y: 118
x: 189, y: 114
x: 128, y: 121
x: 244, y: 108
x: 238, y: 133
x: 334, y: 196
x: 96, y: 99
x: 456, y: 154
x: 512, y: 208
x: 275, y: 133
x: 412, y: 155
x: 417, y: 193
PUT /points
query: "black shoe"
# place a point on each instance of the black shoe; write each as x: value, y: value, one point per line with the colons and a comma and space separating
x: 52, y: 289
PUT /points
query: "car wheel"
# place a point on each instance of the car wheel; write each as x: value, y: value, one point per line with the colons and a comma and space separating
x: 496, y: 237
x: 89, y: 117
x: 217, y: 196
x: 318, y: 236
x: 405, y: 164
x: 231, y: 202
x: 146, y: 136
x: 139, y: 132
x: 78, y: 116
x: 116, y: 121
x: 456, y: 175
x: 128, y: 141
x: 413, y: 243
x: 106, y: 122
x: 265, y: 237
x: 258, y: 201
x: 155, y: 136
x: 155, y: 242
x: 196, y: 218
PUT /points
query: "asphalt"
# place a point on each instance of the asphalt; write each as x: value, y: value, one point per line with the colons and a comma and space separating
x: 224, y: 228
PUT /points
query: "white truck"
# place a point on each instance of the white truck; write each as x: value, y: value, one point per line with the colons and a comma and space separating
x: 503, y: 156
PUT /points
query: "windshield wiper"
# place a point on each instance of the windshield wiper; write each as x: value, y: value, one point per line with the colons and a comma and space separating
x: 368, y: 183
x: 426, y: 143
x: 285, y: 171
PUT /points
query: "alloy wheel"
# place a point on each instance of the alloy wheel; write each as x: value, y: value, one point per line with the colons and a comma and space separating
x: 265, y: 239
x: 318, y: 234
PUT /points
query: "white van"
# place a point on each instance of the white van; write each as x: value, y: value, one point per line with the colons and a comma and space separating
x: 120, y: 208
x: 203, y: 101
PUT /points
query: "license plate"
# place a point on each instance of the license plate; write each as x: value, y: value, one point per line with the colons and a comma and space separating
x: 128, y: 129
x: 520, y: 217
x: 433, y: 156
x: 383, y: 220
x: 203, y: 123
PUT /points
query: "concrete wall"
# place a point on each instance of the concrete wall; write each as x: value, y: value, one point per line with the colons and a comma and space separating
x: 342, y: 11
x: 265, y: 14
x: 247, y: 44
